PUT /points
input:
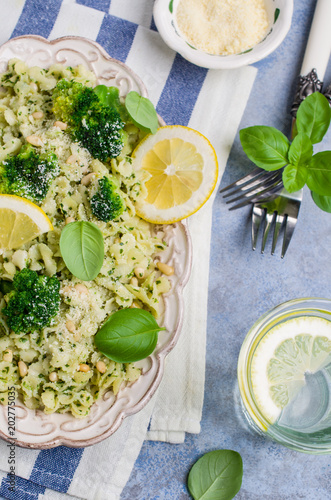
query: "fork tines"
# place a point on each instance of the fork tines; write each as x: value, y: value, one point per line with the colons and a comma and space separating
x: 244, y: 180
x: 253, y: 187
x: 286, y: 221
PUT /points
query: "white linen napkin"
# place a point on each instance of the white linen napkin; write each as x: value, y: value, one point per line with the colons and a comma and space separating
x: 216, y: 114
x: 212, y: 105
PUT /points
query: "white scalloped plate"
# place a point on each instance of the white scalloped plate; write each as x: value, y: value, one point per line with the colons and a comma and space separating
x: 34, y: 429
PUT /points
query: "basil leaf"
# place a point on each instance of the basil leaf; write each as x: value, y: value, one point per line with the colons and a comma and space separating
x: 319, y: 173
x: 82, y: 249
x: 294, y: 177
x: 216, y: 476
x: 110, y: 96
x: 142, y: 112
x: 301, y: 150
x: 128, y: 335
x: 267, y: 147
x: 323, y: 202
x: 313, y: 116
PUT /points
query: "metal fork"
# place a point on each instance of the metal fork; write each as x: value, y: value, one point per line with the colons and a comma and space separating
x: 282, y: 212
x: 283, y: 209
x: 253, y: 187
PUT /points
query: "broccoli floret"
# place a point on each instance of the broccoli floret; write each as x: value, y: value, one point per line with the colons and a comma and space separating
x: 28, y: 174
x: 72, y: 101
x: 95, y: 126
x: 100, y: 133
x: 33, y: 301
x: 107, y: 203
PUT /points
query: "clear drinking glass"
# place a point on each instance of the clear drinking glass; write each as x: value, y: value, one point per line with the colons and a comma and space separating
x: 302, y: 419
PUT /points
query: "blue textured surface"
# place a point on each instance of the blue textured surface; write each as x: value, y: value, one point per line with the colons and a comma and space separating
x: 243, y: 285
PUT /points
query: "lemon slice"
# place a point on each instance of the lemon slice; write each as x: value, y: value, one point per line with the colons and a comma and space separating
x: 283, y: 358
x: 20, y: 221
x: 183, y: 169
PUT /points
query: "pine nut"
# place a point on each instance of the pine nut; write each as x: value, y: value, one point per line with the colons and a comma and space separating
x: 70, y: 219
x: 77, y: 336
x: 134, y: 281
x: 101, y: 367
x: 72, y: 329
x: 80, y: 288
x: 61, y: 125
x: 72, y: 159
x: 87, y: 179
x: 165, y: 269
x: 139, y: 272
x: 135, y: 305
x: 53, y: 377
x: 37, y: 115
x: 34, y: 86
x: 35, y: 140
x: 22, y: 368
x: 8, y: 355
x: 84, y: 368
x: 70, y: 326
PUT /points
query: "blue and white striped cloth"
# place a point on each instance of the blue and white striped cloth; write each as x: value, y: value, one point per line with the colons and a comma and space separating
x: 209, y: 101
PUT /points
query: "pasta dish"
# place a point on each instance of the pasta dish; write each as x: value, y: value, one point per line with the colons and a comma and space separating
x: 57, y: 368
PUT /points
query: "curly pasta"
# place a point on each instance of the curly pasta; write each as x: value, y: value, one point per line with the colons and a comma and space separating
x: 67, y: 345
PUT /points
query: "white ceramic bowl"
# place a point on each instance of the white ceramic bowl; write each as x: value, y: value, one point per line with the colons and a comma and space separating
x: 279, y: 15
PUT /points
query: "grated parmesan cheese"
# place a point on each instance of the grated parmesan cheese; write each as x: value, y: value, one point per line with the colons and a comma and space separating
x: 222, y: 27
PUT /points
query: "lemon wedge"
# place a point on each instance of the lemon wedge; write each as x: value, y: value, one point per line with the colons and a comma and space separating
x: 20, y: 221
x: 182, y: 173
x: 284, y: 357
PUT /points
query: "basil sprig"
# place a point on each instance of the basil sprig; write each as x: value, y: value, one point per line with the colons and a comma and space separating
x: 136, y: 108
x: 82, y: 249
x: 128, y: 335
x: 216, y: 475
x: 270, y: 149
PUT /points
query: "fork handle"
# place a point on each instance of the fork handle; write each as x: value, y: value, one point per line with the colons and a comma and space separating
x: 318, y: 48
x: 316, y: 56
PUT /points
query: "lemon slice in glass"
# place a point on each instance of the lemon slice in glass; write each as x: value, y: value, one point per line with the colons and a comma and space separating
x: 20, y: 221
x: 284, y: 357
x: 182, y: 170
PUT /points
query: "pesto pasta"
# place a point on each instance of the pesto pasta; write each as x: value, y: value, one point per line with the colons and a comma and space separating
x: 64, y: 371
